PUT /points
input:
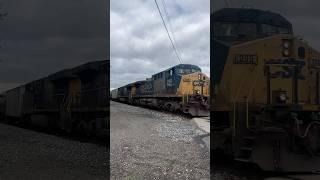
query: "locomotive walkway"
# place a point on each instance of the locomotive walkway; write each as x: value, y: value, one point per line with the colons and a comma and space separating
x: 149, y: 144
x: 26, y: 154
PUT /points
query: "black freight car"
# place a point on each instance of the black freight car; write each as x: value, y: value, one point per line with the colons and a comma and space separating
x: 73, y: 99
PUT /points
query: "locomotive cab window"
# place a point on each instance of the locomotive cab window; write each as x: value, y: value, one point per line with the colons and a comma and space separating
x: 235, y: 29
x: 195, y: 70
x: 301, y: 52
x: 269, y: 29
x: 184, y: 71
x: 171, y: 72
x: 180, y: 71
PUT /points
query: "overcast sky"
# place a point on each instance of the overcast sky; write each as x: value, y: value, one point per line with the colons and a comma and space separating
x: 140, y: 46
x: 303, y: 14
x: 40, y: 37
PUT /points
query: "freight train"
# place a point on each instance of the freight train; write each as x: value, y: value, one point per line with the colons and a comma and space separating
x: 266, y: 99
x: 72, y: 100
x: 181, y: 88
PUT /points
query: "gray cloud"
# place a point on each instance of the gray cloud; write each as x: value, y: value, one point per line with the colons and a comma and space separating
x: 140, y: 46
x: 304, y: 15
x: 41, y: 37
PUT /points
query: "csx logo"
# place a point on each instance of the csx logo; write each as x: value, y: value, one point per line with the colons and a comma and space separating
x: 287, y: 71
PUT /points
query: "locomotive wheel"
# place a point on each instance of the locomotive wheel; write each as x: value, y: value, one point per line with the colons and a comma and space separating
x: 168, y: 107
x: 171, y: 108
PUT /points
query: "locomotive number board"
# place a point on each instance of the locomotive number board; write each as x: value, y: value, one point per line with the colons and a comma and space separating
x: 198, y: 83
x: 245, y: 59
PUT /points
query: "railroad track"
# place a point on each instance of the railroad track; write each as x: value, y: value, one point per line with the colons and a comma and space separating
x: 188, y: 116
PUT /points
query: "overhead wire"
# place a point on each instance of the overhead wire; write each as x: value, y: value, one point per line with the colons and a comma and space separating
x: 170, y: 28
x: 165, y: 26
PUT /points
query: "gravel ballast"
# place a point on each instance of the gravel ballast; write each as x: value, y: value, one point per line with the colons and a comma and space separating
x: 27, y: 154
x: 149, y: 144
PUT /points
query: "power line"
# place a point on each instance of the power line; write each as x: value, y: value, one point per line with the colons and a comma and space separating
x: 170, y: 28
x: 164, y: 24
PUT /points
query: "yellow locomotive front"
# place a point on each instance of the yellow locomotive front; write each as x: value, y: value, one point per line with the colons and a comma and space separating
x: 266, y: 92
x: 194, y: 89
x: 194, y: 83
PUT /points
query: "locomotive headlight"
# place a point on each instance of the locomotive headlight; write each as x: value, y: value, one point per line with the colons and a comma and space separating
x: 286, y: 52
x: 286, y: 47
x: 282, y: 97
x: 286, y: 44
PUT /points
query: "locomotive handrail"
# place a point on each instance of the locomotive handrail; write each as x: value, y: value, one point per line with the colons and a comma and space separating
x: 234, y: 119
x: 239, y: 88
x: 234, y: 102
x: 248, y: 97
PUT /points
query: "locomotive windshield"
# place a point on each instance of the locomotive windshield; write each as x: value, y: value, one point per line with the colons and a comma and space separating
x: 231, y: 29
x: 182, y: 71
x: 248, y: 30
x: 241, y: 24
x: 269, y: 29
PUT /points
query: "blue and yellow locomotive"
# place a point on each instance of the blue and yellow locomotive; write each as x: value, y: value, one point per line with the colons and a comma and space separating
x: 266, y: 100
x: 181, y: 88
